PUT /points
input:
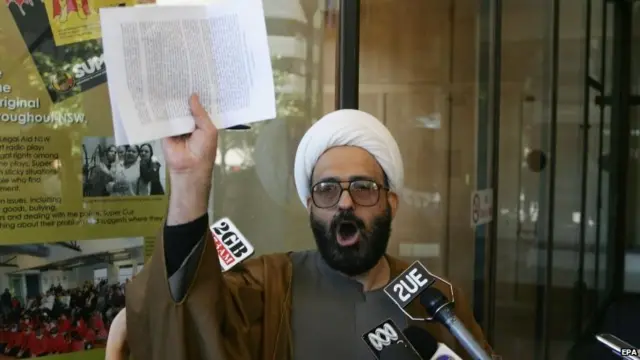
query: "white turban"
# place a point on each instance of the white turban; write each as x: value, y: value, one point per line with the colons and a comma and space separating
x: 347, y: 128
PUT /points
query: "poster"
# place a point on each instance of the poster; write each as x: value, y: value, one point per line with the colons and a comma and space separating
x: 61, y: 38
x: 63, y: 183
x: 69, y: 294
x: 75, y: 21
x: 61, y: 178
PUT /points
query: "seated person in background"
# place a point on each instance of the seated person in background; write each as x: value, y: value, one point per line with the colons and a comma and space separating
x: 77, y: 342
x: 90, y: 337
x: 64, y: 325
x: 14, y: 343
x: 80, y: 326
x: 37, y: 344
x: 96, y: 320
x: 42, y: 320
x: 24, y: 344
x: 56, y: 342
x: 26, y: 322
x: 98, y: 327
x: 102, y: 335
x: 16, y: 309
x: 4, y: 337
x: 47, y: 325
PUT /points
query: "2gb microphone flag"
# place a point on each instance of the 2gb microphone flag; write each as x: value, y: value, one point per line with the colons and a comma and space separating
x: 233, y: 248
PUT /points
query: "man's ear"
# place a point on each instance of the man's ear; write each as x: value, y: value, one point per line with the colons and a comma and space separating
x: 393, y: 200
x: 309, y: 204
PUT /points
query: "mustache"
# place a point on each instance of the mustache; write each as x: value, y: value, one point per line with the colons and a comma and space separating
x: 346, y: 216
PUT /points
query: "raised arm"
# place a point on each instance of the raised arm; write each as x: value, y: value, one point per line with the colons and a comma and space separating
x: 179, y: 306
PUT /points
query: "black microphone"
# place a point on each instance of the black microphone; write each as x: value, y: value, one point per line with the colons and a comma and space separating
x: 427, y: 346
x: 399, y: 351
x: 441, y: 309
x: 387, y: 341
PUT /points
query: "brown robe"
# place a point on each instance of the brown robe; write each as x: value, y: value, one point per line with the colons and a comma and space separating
x: 241, y: 315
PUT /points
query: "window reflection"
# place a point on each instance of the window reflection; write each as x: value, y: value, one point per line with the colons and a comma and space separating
x: 253, y: 182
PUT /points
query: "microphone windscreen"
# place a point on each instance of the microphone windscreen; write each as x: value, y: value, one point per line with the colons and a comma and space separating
x: 398, y: 351
x: 423, y: 342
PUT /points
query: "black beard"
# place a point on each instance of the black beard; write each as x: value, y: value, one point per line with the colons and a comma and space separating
x: 361, y: 257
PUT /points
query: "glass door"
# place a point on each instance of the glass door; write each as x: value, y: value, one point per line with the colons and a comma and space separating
x: 596, y: 165
x: 632, y: 268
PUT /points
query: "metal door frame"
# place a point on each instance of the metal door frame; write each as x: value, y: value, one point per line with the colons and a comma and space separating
x: 620, y: 100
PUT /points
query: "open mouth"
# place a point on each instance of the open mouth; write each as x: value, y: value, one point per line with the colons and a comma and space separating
x: 348, y: 234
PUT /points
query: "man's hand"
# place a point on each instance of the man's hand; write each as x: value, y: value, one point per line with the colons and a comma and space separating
x: 117, y: 347
x: 190, y: 159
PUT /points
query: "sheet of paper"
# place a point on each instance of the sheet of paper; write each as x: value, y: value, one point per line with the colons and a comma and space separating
x: 119, y: 134
x: 157, y: 56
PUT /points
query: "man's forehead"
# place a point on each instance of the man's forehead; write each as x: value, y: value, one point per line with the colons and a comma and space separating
x: 347, y: 162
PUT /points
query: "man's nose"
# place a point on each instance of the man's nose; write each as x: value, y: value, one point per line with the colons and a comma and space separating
x: 345, y: 201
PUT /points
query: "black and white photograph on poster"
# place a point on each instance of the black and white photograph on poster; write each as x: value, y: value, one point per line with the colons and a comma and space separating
x: 62, y: 297
x: 129, y: 170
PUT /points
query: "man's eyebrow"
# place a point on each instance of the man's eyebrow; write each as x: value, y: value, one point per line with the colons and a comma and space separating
x: 361, y: 177
x: 351, y: 178
x: 330, y: 178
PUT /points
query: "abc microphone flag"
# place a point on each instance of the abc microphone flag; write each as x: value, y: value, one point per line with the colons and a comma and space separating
x: 385, y: 336
x: 232, y: 247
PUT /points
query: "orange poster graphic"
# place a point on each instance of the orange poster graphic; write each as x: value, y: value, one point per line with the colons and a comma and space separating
x: 74, y: 21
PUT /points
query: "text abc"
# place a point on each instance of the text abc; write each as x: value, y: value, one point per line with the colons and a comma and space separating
x: 382, y: 336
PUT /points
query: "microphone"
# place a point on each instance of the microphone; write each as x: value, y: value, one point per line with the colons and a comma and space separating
x: 387, y: 342
x: 399, y: 352
x: 439, y: 307
x: 416, y: 281
x: 232, y: 247
x: 427, y: 346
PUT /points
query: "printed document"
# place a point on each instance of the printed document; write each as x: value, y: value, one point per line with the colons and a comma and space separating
x: 157, y: 56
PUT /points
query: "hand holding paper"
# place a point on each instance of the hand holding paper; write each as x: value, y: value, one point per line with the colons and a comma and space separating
x: 187, y: 154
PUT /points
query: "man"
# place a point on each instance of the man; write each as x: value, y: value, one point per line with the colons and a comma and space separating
x: 312, y: 305
x: 5, y: 302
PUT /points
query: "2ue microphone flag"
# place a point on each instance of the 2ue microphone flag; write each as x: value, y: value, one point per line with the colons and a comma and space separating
x: 232, y: 247
x: 408, y: 285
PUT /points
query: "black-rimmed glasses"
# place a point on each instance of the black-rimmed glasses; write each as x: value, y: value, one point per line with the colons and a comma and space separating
x: 326, y: 194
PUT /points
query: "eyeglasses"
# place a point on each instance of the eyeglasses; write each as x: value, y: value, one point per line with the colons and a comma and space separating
x: 326, y: 194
